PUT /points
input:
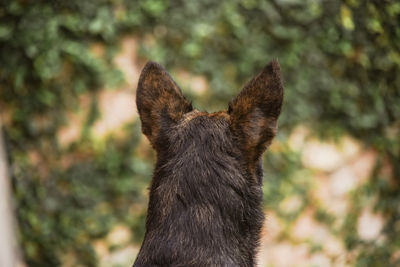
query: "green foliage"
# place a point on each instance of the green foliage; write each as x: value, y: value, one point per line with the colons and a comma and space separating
x: 340, y: 60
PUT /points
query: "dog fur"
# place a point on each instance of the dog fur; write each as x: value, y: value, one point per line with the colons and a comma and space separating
x: 205, y: 206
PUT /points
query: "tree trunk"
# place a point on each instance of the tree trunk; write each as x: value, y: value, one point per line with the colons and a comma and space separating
x: 8, y: 243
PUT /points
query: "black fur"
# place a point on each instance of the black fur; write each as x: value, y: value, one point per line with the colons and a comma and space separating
x: 205, y: 196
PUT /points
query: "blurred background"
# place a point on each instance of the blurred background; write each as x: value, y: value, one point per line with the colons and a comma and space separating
x: 79, y: 166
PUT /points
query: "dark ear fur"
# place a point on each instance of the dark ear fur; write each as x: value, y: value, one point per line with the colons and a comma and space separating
x: 255, y: 111
x: 159, y: 100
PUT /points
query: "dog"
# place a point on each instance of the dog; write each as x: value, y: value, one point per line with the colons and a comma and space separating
x: 205, y: 206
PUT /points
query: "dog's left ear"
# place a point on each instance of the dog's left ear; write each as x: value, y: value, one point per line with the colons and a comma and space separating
x: 159, y: 100
x: 255, y: 111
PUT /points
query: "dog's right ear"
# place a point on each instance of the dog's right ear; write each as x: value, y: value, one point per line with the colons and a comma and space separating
x: 255, y: 111
x: 159, y: 100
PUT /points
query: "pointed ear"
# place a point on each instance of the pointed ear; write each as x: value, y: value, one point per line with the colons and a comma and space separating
x: 159, y: 100
x: 255, y: 111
